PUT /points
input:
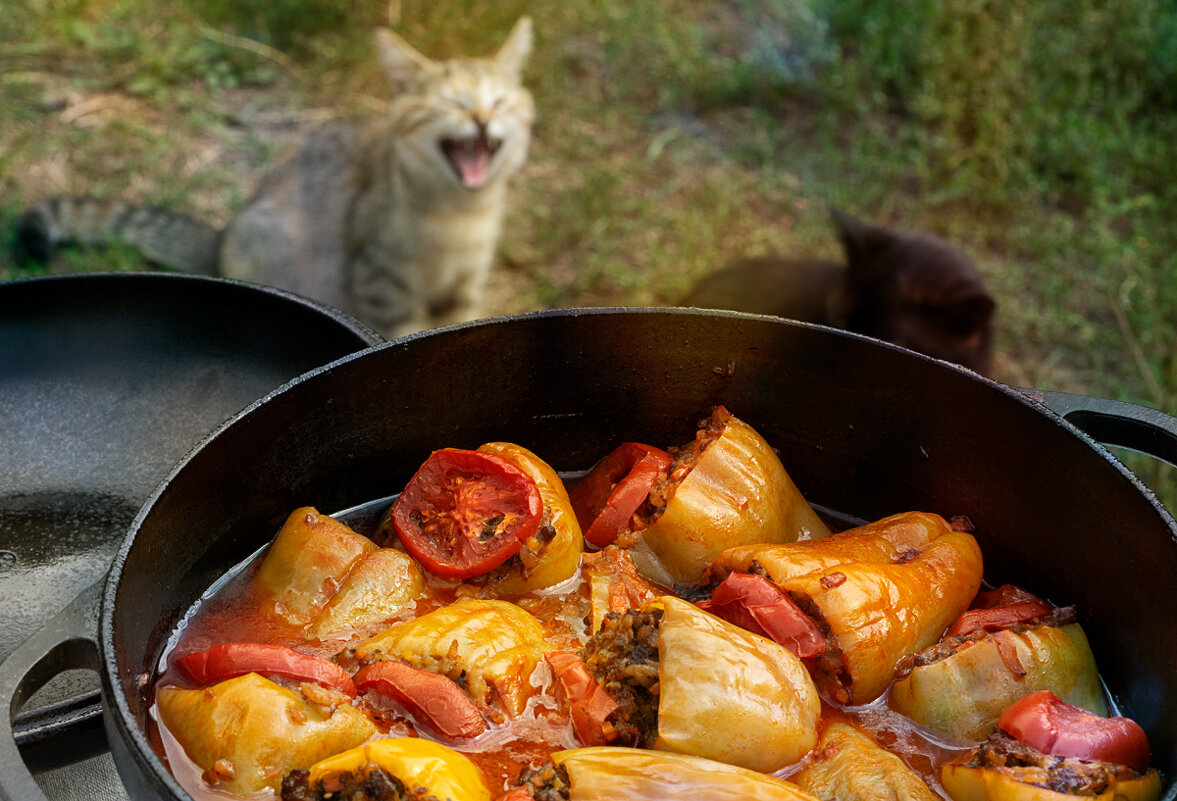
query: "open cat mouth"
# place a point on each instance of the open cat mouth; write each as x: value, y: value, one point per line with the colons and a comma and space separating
x: 471, y: 158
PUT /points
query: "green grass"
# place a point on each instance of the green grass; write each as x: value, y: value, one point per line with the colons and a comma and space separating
x: 673, y: 137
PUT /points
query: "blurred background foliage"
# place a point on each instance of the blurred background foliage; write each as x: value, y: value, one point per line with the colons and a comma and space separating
x: 675, y: 135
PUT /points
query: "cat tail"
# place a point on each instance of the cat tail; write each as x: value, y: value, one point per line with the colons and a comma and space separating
x: 166, y: 238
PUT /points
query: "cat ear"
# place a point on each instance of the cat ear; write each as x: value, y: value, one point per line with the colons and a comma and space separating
x: 401, y: 61
x: 514, y: 52
x: 859, y: 239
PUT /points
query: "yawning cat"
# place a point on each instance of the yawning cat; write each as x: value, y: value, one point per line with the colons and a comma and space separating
x: 394, y: 219
x: 913, y: 289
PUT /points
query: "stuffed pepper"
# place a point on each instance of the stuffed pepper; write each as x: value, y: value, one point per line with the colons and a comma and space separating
x: 678, y: 679
x: 727, y: 487
x: 499, y: 516
x: 380, y: 585
x: 877, y: 593
x: 608, y: 773
x: 491, y: 647
x: 1010, y: 644
x: 1044, y: 749
x: 552, y: 554
x: 391, y: 769
x: 246, y: 732
x: 307, y: 561
x: 848, y: 765
x: 464, y: 513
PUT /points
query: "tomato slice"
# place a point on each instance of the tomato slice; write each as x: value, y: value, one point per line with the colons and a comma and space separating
x: 998, y: 617
x: 1045, y: 722
x: 430, y: 698
x: 589, y: 705
x: 756, y: 604
x: 238, y: 658
x: 1000, y: 608
x: 605, y: 500
x: 464, y: 513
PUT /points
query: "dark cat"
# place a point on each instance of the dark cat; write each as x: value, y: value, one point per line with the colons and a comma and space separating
x: 913, y: 289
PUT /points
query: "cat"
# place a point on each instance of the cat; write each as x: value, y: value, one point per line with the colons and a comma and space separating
x: 913, y: 289
x: 394, y: 220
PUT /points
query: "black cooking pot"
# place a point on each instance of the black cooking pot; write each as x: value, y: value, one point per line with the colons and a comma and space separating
x: 864, y: 428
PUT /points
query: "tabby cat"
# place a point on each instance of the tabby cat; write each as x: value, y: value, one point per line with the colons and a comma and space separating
x: 912, y: 289
x: 394, y: 220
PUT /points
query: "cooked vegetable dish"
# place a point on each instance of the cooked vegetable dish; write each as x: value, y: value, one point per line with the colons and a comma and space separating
x: 678, y: 623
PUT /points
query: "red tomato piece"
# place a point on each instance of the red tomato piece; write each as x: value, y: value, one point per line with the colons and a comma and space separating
x: 1045, y: 722
x: 430, y: 698
x: 238, y: 658
x: 605, y: 500
x: 997, y: 617
x: 589, y: 705
x: 754, y: 603
x: 464, y: 513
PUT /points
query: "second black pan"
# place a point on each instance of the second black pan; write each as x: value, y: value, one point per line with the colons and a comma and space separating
x: 106, y: 381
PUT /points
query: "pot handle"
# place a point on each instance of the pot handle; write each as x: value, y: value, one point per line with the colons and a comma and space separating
x: 1118, y: 423
x: 65, y: 642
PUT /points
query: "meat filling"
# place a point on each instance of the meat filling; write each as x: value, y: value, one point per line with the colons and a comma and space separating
x: 448, y: 665
x: 829, y: 669
x: 373, y: 785
x: 528, y: 557
x: 685, y: 458
x: 548, y: 782
x: 623, y: 658
x: 1058, y: 774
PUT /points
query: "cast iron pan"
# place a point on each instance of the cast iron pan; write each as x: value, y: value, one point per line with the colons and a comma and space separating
x: 864, y: 428
x: 106, y: 381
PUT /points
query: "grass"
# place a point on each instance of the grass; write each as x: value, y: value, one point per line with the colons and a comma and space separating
x: 675, y: 137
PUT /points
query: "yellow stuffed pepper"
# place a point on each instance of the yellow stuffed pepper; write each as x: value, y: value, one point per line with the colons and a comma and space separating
x: 494, y: 645
x: 246, y: 732
x: 1044, y: 749
x: 1011, y: 644
x: 879, y: 592
x: 678, y: 510
x: 422, y: 769
x: 605, y: 773
x: 686, y: 681
x: 307, y: 561
x: 552, y: 555
x: 848, y: 765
